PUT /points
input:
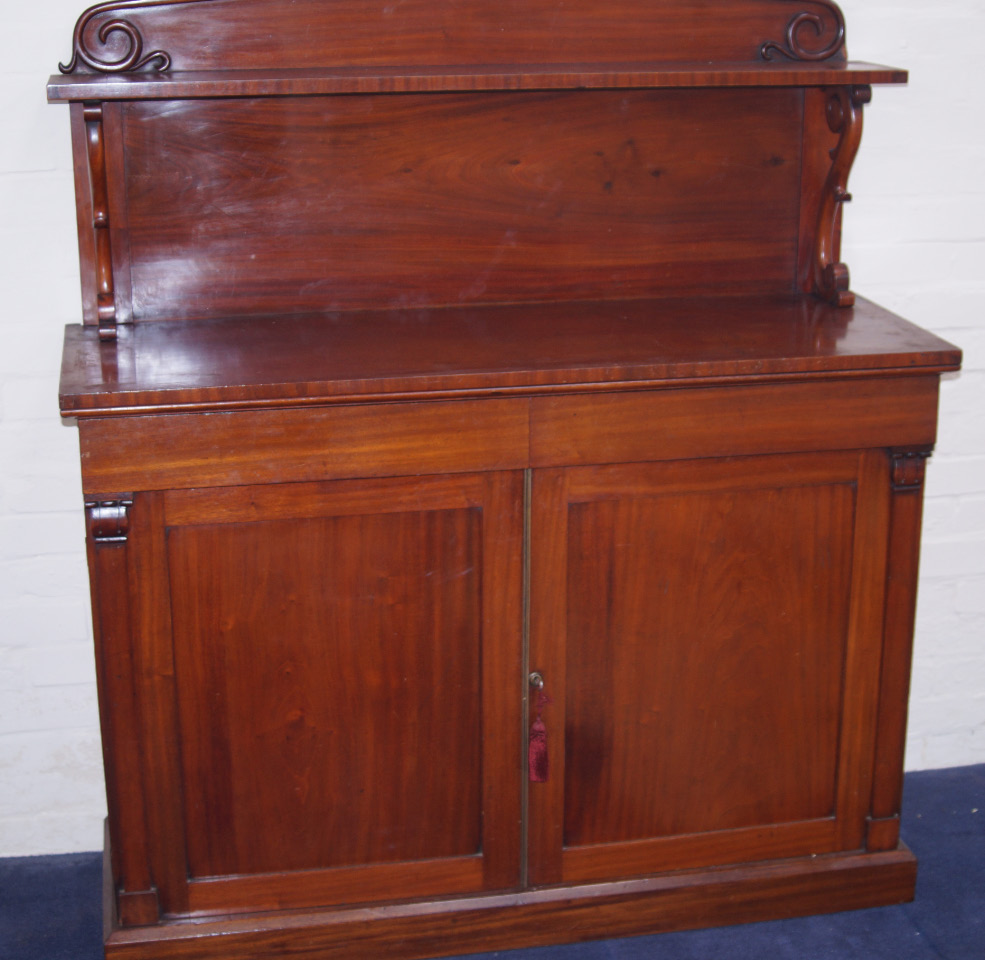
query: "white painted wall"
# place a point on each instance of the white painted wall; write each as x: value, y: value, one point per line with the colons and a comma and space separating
x: 915, y: 241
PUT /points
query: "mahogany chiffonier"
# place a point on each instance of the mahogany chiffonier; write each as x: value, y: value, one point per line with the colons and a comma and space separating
x: 502, y: 518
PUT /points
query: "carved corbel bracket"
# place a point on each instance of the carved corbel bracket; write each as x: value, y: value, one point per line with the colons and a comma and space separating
x: 910, y: 467
x: 108, y: 521
x: 844, y: 114
x: 809, y: 20
x: 99, y: 194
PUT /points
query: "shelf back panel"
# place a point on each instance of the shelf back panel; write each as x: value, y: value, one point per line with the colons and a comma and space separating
x: 244, y: 207
x: 183, y: 35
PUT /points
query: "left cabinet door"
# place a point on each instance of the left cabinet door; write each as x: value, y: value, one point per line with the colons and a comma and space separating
x: 328, y: 683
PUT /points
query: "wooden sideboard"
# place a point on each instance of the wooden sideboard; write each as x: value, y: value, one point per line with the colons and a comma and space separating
x: 503, y: 518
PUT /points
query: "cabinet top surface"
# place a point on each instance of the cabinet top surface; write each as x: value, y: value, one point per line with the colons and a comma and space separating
x: 485, y: 350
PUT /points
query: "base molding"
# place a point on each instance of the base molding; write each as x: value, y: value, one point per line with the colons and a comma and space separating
x: 411, y: 931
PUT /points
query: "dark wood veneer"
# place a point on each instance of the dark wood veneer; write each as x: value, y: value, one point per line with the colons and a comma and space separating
x: 229, y: 35
x: 518, y: 198
x: 436, y: 349
x: 677, y: 901
x: 477, y: 351
x: 460, y: 79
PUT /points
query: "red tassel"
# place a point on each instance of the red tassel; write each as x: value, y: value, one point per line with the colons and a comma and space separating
x: 537, y: 752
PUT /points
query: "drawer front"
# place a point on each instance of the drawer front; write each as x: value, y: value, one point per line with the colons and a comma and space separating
x: 181, y: 451
x: 732, y: 421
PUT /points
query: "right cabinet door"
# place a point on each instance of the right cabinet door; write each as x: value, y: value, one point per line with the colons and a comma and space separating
x: 709, y: 633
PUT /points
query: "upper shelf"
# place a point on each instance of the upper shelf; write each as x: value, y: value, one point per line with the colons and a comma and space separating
x: 458, y: 78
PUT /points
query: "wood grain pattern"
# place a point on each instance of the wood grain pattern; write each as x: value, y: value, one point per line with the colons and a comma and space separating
x: 679, y: 901
x: 864, y: 649
x: 705, y: 422
x: 819, y: 142
x: 897, y: 651
x: 156, y: 698
x: 318, y: 679
x: 520, y: 199
x: 320, y: 647
x: 655, y: 855
x: 672, y: 599
x: 882, y: 833
x: 237, y: 34
x: 230, y: 449
x: 503, y: 668
x: 548, y: 610
x: 367, y: 883
x: 666, y: 595
x: 592, y: 75
x: 116, y: 182
x: 112, y: 630
x: 305, y: 501
x: 518, y: 348
x: 83, y: 214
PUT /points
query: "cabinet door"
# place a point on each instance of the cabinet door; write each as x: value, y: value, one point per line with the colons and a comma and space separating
x: 709, y: 632
x: 332, y: 676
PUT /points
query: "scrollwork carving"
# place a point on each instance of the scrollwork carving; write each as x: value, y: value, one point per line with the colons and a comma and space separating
x: 99, y: 192
x: 132, y: 57
x: 794, y: 49
x: 844, y: 114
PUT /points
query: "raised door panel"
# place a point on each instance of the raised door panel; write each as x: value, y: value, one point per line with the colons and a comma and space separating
x: 709, y: 636
x: 343, y: 657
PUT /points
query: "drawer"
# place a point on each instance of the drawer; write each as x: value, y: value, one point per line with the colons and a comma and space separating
x: 177, y: 451
x: 734, y: 420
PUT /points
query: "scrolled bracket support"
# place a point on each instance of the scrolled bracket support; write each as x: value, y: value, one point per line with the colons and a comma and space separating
x: 831, y: 278
x: 99, y: 194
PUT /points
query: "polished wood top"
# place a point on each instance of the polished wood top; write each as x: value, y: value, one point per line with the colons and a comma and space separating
x: 463, y: 78
x: 485, y: 350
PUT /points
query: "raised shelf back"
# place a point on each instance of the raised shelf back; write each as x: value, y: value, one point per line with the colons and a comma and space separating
x: 188, y: 35
x: 304, y: 204
x: 280, y: 203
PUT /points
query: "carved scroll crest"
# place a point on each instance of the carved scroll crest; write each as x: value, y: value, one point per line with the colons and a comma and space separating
x: 804, y: 23
x: 103, y: 60
x: 97, y: 45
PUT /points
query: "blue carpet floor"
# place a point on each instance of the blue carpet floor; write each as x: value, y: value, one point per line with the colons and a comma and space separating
x: 50, y: 906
